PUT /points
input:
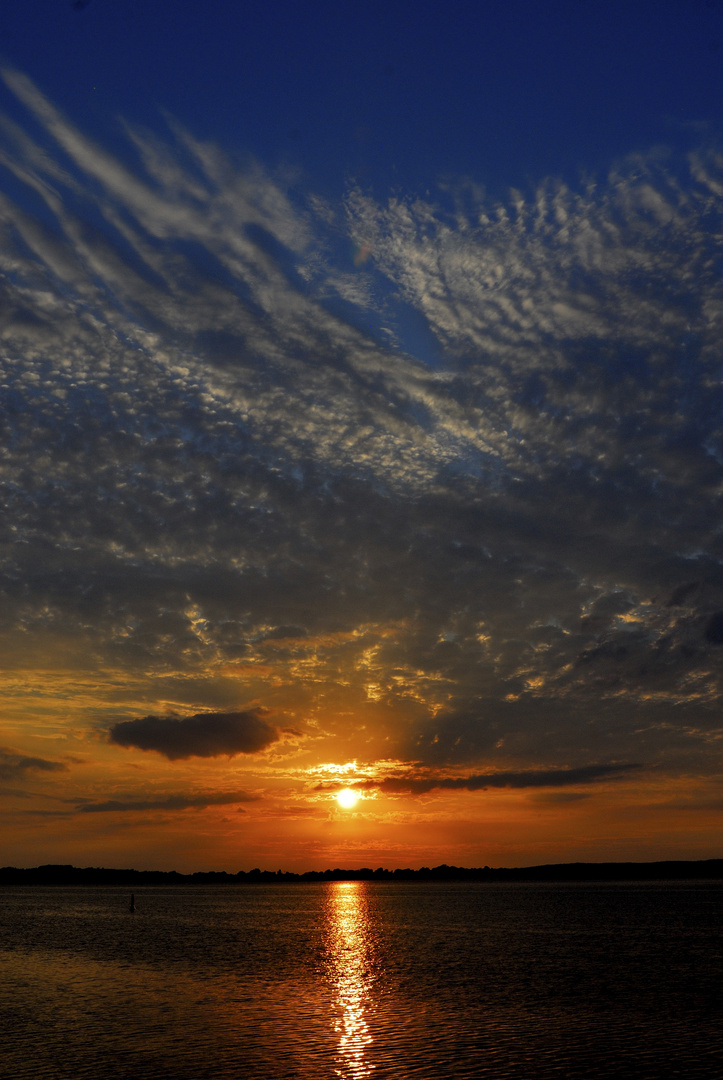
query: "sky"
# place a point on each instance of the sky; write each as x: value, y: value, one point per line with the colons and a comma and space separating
x: 361, y: 409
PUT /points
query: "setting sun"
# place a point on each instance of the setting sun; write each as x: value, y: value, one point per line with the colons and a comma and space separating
x: 347, y: 798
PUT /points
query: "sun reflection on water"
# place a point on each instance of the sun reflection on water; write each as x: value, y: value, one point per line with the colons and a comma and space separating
x: 350, y: 955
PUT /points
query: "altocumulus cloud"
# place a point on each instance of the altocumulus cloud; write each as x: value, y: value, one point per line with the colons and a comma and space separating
x: 512, y: 543
x: 201, y: 735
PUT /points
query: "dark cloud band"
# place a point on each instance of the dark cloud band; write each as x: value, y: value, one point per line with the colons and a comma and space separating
x: 201, y: 735
x: 169, y: 802
x: 529, y: 778
x: 14, y: 765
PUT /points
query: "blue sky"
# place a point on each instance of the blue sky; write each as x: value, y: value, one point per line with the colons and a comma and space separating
x: 361, y: 425
x: 399, y: 94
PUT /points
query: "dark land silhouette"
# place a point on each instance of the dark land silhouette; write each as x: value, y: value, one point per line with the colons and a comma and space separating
x: 669, y: 870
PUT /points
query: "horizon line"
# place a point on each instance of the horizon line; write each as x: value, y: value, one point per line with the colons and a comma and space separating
x: 579, y: 870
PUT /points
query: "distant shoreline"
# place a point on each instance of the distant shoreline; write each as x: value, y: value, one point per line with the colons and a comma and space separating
x: 668, y: 870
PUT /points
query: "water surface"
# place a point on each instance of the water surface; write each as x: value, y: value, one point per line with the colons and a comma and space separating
x: 362, y: 979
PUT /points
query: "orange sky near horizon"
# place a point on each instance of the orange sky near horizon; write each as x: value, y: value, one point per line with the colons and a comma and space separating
x: 106, y: 805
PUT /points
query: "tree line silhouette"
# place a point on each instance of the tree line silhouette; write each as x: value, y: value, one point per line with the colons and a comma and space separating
x: 670, y: 870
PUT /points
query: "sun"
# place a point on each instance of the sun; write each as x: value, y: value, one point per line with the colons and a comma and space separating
x: 347, y: 798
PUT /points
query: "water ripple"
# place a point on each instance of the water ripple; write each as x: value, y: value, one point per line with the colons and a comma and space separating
x: 358, y: 980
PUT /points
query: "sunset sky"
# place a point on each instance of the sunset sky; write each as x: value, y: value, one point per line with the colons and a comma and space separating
x: 361, y: 426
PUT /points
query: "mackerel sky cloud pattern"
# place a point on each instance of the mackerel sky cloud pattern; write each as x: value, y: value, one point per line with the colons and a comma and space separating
x: 236, y: 482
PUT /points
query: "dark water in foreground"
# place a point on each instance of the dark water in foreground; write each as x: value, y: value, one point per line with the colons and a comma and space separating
x: 363, y: 979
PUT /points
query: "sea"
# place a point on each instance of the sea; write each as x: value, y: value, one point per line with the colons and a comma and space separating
x: 363, y: 979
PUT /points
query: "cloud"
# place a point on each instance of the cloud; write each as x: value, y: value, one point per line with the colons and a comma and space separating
x: 714, y: 628
x: 167, y: 802
x: 201, y: 735
x: 14, y: 765
x: 462, y: 503
x: 529, y: 778
x: 420, y: 784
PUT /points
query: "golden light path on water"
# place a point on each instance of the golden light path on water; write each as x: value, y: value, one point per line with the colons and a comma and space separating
x: 351, y: 957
